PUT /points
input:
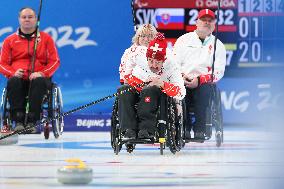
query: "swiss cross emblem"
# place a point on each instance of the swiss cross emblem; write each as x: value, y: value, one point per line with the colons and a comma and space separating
x: 147, y: 99
x: 209, y: 49
x: 156, y: 48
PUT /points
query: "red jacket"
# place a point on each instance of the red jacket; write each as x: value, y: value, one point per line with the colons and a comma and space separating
x: 17, y: 52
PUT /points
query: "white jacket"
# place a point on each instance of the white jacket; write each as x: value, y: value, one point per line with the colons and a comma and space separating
x: 128, y: 58
x: 195, y: 57
x: 170, y: 72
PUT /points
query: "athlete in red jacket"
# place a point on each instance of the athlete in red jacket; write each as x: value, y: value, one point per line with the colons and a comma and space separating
x: 16, y: 64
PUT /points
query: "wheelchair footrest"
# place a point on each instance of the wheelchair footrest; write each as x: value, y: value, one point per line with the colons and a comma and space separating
x: 139, y: 141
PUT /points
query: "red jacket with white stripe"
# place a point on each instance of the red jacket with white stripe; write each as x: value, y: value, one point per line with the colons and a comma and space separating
x: 17, y: 52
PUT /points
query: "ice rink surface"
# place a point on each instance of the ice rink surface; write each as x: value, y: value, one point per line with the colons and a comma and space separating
x: 249, y: 158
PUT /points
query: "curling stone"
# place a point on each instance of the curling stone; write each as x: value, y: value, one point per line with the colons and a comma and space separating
x: 9, y: 140
x: 75, y: 174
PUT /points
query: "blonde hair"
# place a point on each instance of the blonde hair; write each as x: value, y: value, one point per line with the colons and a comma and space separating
x: 142, y: 30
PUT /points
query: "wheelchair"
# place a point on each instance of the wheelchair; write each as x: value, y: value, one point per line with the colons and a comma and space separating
x: 169, y: 126
x: 214, y: 119
x: 52, y: 107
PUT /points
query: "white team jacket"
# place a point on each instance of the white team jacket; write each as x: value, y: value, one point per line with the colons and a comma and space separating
x: 195, y: 57
x: 128, y: 58
x: 170, y: 71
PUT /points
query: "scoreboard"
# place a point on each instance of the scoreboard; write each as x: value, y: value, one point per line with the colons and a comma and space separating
x: 252, y: 30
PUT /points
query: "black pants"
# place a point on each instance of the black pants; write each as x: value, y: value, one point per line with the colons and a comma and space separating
x: 199, y: 98
x: 17, y: 91
x: 144, y: 116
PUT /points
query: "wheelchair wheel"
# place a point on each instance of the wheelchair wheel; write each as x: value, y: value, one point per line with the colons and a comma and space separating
x: 209, y: 121
x: 162, y: 147
x: 45, y: 114
x: 4, y: 113
x: 57, y: 110
x: 2, y: 108
x: 172, y: 132
x: 218, y: 124
x: 114, y: 132
x: 218, y: 138
x: 217, y: 119
x: 130, y: 147
x: 118, y: 146
x: 5, y: 119
x: 180, y: 132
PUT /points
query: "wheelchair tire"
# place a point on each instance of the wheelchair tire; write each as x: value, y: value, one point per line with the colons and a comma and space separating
x: 46, y: 131
x: 209, y: 121
x: 118, y: 147
x: 114, y: 131
x: 57, y: 110
x: 171, y: 128
x: 162, y: 148
x: 217, y: 119
x: 2, y: 115
x: 113, y: 137
x: 170, y: 142
x: 5, y: 117
x: 218, y: 138
x: 180, y: 133
x: 130, y: 147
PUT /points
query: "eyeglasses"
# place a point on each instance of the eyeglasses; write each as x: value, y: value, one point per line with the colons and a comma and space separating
x: 144, y: 36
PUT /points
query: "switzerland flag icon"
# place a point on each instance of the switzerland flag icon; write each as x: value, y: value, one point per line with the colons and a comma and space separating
x: 147, y: 99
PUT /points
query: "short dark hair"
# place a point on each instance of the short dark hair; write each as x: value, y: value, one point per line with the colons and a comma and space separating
x: 20, y: 11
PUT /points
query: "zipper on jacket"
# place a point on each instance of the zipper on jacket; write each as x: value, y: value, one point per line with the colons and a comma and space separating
x: 30, y: 57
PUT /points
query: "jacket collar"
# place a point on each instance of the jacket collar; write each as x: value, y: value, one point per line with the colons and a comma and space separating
x: 24, y: 36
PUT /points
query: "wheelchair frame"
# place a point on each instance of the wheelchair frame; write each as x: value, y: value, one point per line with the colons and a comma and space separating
x: 51, y: 107
x: 214, y: 118
x: 54, y: 100
x: 169, y: 130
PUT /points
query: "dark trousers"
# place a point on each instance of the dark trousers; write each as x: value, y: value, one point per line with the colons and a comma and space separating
x: 17, y: 91
x: 198, y: 99
x: 139, y: 111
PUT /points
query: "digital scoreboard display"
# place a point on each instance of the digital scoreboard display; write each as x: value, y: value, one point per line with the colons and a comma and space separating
x: 252, y: 30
